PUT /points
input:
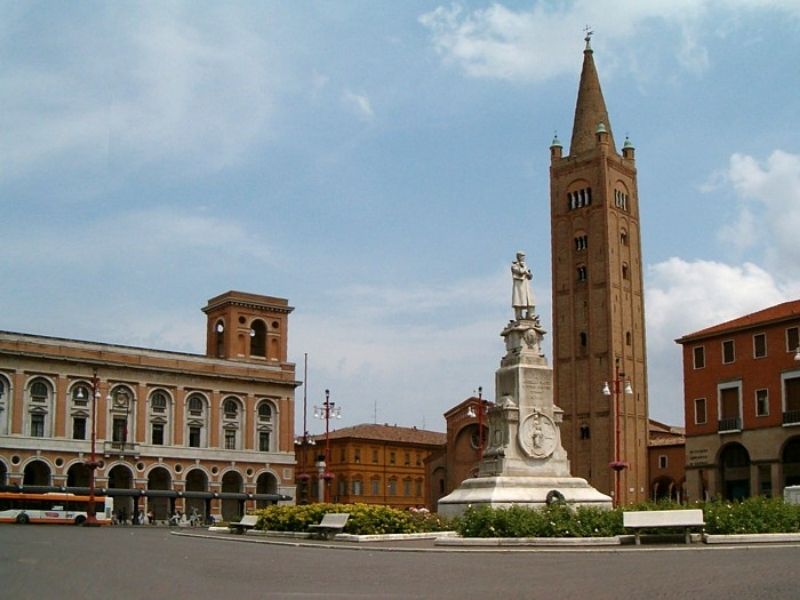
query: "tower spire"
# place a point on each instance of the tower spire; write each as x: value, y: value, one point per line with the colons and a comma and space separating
x: 590, y: 109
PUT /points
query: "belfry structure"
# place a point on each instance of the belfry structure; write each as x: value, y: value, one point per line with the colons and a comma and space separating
x: 599, y: 353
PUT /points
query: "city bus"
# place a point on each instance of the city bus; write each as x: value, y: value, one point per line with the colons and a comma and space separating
x: 52, y: 507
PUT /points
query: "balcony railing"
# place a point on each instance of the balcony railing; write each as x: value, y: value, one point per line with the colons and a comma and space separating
x: 791, y: 416
x: 730, y: 424
x: 121, y: 448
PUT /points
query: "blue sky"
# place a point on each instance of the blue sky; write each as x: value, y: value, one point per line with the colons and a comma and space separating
x: 379, y: 164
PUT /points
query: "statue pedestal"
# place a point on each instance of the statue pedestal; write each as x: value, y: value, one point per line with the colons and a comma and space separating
x: 524, y: 462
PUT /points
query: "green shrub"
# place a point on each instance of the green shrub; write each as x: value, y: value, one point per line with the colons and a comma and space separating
x: 557, y: 520
x: 365, y: 519
x: 752, y: 515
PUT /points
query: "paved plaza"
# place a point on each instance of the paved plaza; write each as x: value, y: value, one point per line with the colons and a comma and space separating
x: 44, y: 562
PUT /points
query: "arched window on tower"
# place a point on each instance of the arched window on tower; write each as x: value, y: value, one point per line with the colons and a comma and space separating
x: 258, y: 339
x: 623, y: 237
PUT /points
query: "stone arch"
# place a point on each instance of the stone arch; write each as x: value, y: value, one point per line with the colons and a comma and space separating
x: 232, y: 482
x: 159, y: 478
x: 734, y: 471
x: 37, y: 472
x: 196, y: 480
x: 790, y: 459
x: 78, y: 474
x: 664, y: 488
x: 258, y: 338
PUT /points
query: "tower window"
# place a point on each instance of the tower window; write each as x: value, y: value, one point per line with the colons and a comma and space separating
x: 621, y: 200
x: 582, y: 273
x: 581, y: 242
x: 623, y: 237
x: 625, y: 271
x: 584, y: 339
x: 579, y: 198
x: 258, y: 339
x: 585, y: 432
x: 627, y: 338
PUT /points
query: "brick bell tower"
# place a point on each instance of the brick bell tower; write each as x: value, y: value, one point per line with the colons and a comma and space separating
x: 599, y: 353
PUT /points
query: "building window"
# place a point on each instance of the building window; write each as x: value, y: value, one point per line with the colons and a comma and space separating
x: 357, y: 455
x: 728, y: 352
x: 581, y: 243
x: 195, y: 406
x: 374, y: 456
x: 584, y: 339
x: 662, y: 461
x: 730, y: 415
x: 621, y: 200
x: 264, y: 412
x: 357, y: 487
x: 231, y: 409
x: 762, y: 403
x: 760, y: 345
x: 194, y: 437
x: 406, y: 487
x: 699, y: 357
x: 791, y: 398
x: 585, y: 432
x: 263, y: 441
x: 700, y: 415
x: 375, y: 487
x: 39, y: 391
x: 230, y: 439
x: 158, y: 402
x: 37, y: 425
x: 392, y: 457
x: 418, y: 458
x: 627, y: 338
x: 157, y: 434
x: 792, y: 339
x: 343, y: 455
x: 79, y: 428
x: 418, y: 486
x: 391, y: 487
x: 582, y: 273
x: 407, y: 459
x: 119, y: 430
x: 579, y: 198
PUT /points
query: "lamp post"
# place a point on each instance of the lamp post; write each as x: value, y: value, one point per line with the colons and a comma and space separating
x: 92, y: 464
x: 480, y: 413
x: 616, y: 389
x: 327, y: 412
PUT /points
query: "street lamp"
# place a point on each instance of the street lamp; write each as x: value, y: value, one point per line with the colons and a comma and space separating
x: 472, y: 413
x: 327, y: 412
x: 92, y: 464
x: 618, y: 385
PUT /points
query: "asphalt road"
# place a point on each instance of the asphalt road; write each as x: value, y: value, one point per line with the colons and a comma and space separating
x: 43, y: 562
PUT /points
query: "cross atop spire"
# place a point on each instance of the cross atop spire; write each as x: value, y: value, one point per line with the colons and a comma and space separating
x: 588, y: 39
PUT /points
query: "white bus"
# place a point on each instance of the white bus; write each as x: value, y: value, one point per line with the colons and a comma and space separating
x: 52, y: 507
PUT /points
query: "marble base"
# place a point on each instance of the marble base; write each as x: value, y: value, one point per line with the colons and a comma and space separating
x: 532, y: 492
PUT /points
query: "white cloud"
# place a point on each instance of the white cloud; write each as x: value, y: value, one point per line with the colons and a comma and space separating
x: 685, y: 296
x: 360, y: 104
x: 159, y: 85
x: 539, y: 43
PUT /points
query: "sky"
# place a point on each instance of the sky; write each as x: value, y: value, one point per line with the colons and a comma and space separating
x: 379, y: 164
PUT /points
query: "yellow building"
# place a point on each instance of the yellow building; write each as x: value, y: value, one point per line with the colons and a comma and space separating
x: 373, y: 464
x: 175, y: 431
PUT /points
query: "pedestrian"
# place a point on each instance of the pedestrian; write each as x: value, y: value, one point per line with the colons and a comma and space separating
x: 151, y: 517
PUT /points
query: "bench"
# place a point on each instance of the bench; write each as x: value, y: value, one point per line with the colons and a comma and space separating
x: 331, y: 524
x: 651, y: 519
x: 247, y: 522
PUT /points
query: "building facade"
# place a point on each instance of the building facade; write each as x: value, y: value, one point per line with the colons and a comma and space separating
x: 371, y: 464
x: 174, y: 431
x: 742, y: 405
x: 598, y: 303
x: 667, y: 461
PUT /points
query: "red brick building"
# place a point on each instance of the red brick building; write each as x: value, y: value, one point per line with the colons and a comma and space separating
x: 742, y: 405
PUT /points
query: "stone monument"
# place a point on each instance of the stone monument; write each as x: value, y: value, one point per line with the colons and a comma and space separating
x: 524, y: 462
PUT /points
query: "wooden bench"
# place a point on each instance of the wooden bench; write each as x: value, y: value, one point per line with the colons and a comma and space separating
x: 331, y: 524
x: 650, y: 519
x: 247, y: 522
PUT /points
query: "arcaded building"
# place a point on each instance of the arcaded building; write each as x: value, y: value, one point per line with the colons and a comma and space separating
x: 174, y: 431
x: 599, y: 353
x: 741, y: 384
